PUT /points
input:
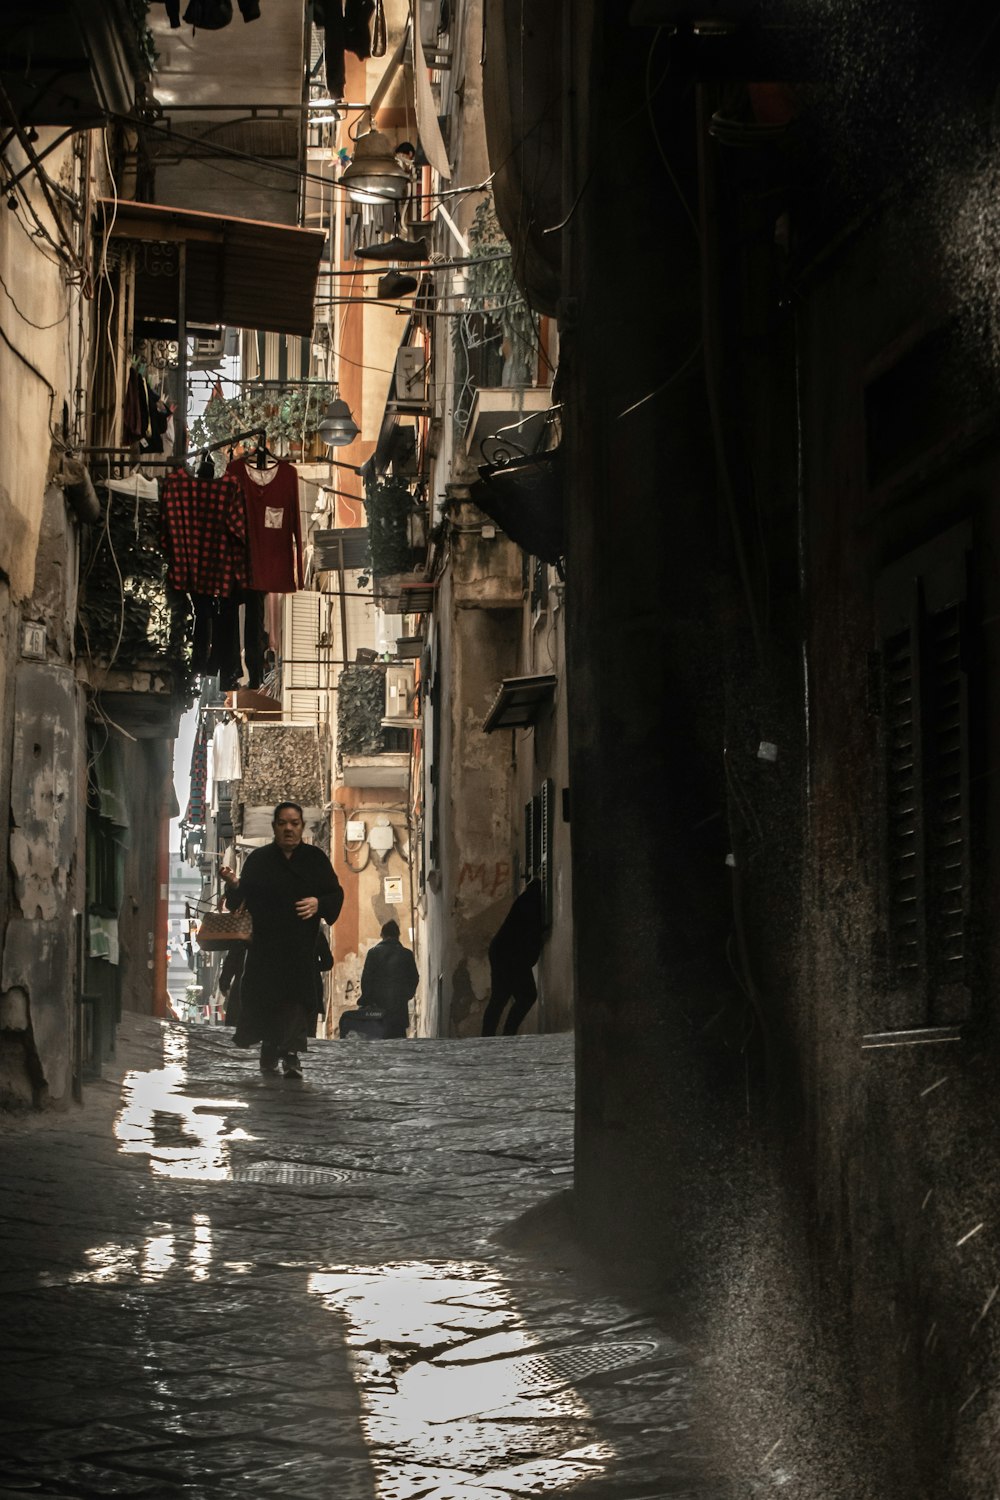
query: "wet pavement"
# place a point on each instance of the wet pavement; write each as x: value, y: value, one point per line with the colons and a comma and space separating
x: 217, y: 1283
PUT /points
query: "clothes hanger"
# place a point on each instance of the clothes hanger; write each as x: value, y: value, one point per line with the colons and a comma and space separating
x: 262, y: 453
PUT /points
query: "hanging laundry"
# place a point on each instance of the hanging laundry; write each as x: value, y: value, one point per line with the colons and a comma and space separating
x: 213, y: 15
x: 195, y: 815
x: 135, y: 412
x: 357, y: 27
x: 346, y: 27
x: 228, y: 640
x: 273, y: 529
x: 226, y: 752
x: 204, y: 534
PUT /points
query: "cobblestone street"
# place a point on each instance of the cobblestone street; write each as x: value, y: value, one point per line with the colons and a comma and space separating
x: 217, y: 1283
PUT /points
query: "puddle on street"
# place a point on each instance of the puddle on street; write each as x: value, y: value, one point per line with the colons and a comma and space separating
x: 456, y: 1398
x: 182, y: 1137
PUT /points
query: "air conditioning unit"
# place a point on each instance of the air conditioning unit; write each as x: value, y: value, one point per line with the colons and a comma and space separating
x: 400, y: 690
x: 411, y: 364
x: 208, y: 352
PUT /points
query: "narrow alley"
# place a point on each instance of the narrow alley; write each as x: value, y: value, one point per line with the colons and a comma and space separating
x: 217, y: 1282
x: 499, y: 602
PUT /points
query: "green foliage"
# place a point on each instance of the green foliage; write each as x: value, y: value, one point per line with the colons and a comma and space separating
x: 491, y: 288
x: 360, y: 710
x: 124, y: 590
x: 389, y: 505
x: 138, y: 12
x: 288, y: 416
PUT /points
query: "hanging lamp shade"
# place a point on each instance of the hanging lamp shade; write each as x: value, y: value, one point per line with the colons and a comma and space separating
x: 374, y: 175
x: 338, y: 428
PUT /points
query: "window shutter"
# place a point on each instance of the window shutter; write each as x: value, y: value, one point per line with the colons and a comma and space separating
x: 303, y: 699
x: 545, y: 852
x: 946, y: 754
x: 302, y: 632
x: 904, y: 810
x: 926, y: 742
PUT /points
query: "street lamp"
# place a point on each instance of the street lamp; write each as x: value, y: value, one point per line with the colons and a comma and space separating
x: 338, y: 428
x: 374, y: 175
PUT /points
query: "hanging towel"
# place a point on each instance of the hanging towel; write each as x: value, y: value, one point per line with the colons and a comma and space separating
x: 226, y: 752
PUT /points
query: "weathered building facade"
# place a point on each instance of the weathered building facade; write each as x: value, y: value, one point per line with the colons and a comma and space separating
x: 779, y: 440
x: 56, y: 163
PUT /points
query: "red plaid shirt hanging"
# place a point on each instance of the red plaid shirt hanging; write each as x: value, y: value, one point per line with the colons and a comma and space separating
x: 204, y: 534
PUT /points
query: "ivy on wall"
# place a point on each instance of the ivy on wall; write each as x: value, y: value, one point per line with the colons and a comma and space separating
x: 389, y: 505
x: 127, y: 614
x: 360, y: 710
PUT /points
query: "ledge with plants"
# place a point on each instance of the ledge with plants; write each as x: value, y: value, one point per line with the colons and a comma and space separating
x: 290, y: 417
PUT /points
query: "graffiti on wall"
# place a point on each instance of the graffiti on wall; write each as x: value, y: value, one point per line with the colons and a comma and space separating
x: 487, y: 879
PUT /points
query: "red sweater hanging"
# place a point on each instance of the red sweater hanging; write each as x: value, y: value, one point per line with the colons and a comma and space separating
x: 271, y: 499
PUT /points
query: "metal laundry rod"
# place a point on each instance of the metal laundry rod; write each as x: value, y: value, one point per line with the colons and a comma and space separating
x: 180, y: 458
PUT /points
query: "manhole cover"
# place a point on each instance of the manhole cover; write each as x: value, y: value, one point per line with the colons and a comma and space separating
x: 567, y: 1366
x: 294, y: 1176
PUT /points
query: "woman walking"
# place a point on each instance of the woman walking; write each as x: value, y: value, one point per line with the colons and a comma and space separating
x: 286, y: 886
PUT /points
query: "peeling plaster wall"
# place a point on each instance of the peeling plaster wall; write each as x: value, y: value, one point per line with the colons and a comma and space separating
x: 479, y: 782
x: 34, y: 375
x: 8, y: 638
x: 362, y: 875
x: 41, y: 707
x: 36, y: 978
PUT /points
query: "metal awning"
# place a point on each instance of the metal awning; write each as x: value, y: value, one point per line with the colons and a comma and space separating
x: 239, y: 272
x: 342, y: 544
x: 405, y: 593
x: 519, y: 702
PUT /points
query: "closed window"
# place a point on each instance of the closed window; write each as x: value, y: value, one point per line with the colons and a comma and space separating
x: 538, y: 843
x: 923, y: 615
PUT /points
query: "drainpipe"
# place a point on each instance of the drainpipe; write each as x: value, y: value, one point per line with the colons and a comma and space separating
x: 161, y: 907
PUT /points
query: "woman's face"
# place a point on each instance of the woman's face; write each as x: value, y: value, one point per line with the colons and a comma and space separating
x: 288, y: 828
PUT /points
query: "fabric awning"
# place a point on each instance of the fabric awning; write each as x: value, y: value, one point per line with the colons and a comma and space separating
x: 240, y: 272
x: 519, y: 702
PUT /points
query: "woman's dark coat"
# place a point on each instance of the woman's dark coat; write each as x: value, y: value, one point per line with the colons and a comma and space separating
x: 279, y: 990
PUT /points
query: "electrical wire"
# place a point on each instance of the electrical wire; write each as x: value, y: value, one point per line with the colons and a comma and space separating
x: 41, y: 327
x: 34, y: 370
x: 644, y: 108
x: 665, y: 384
x: 292, y: 172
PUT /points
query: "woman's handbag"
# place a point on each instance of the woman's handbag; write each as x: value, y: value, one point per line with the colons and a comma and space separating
x: 224, y: 929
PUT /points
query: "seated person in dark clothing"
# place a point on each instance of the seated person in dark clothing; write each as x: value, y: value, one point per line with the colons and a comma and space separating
x: 389, y: 980
x: 513, y: 954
